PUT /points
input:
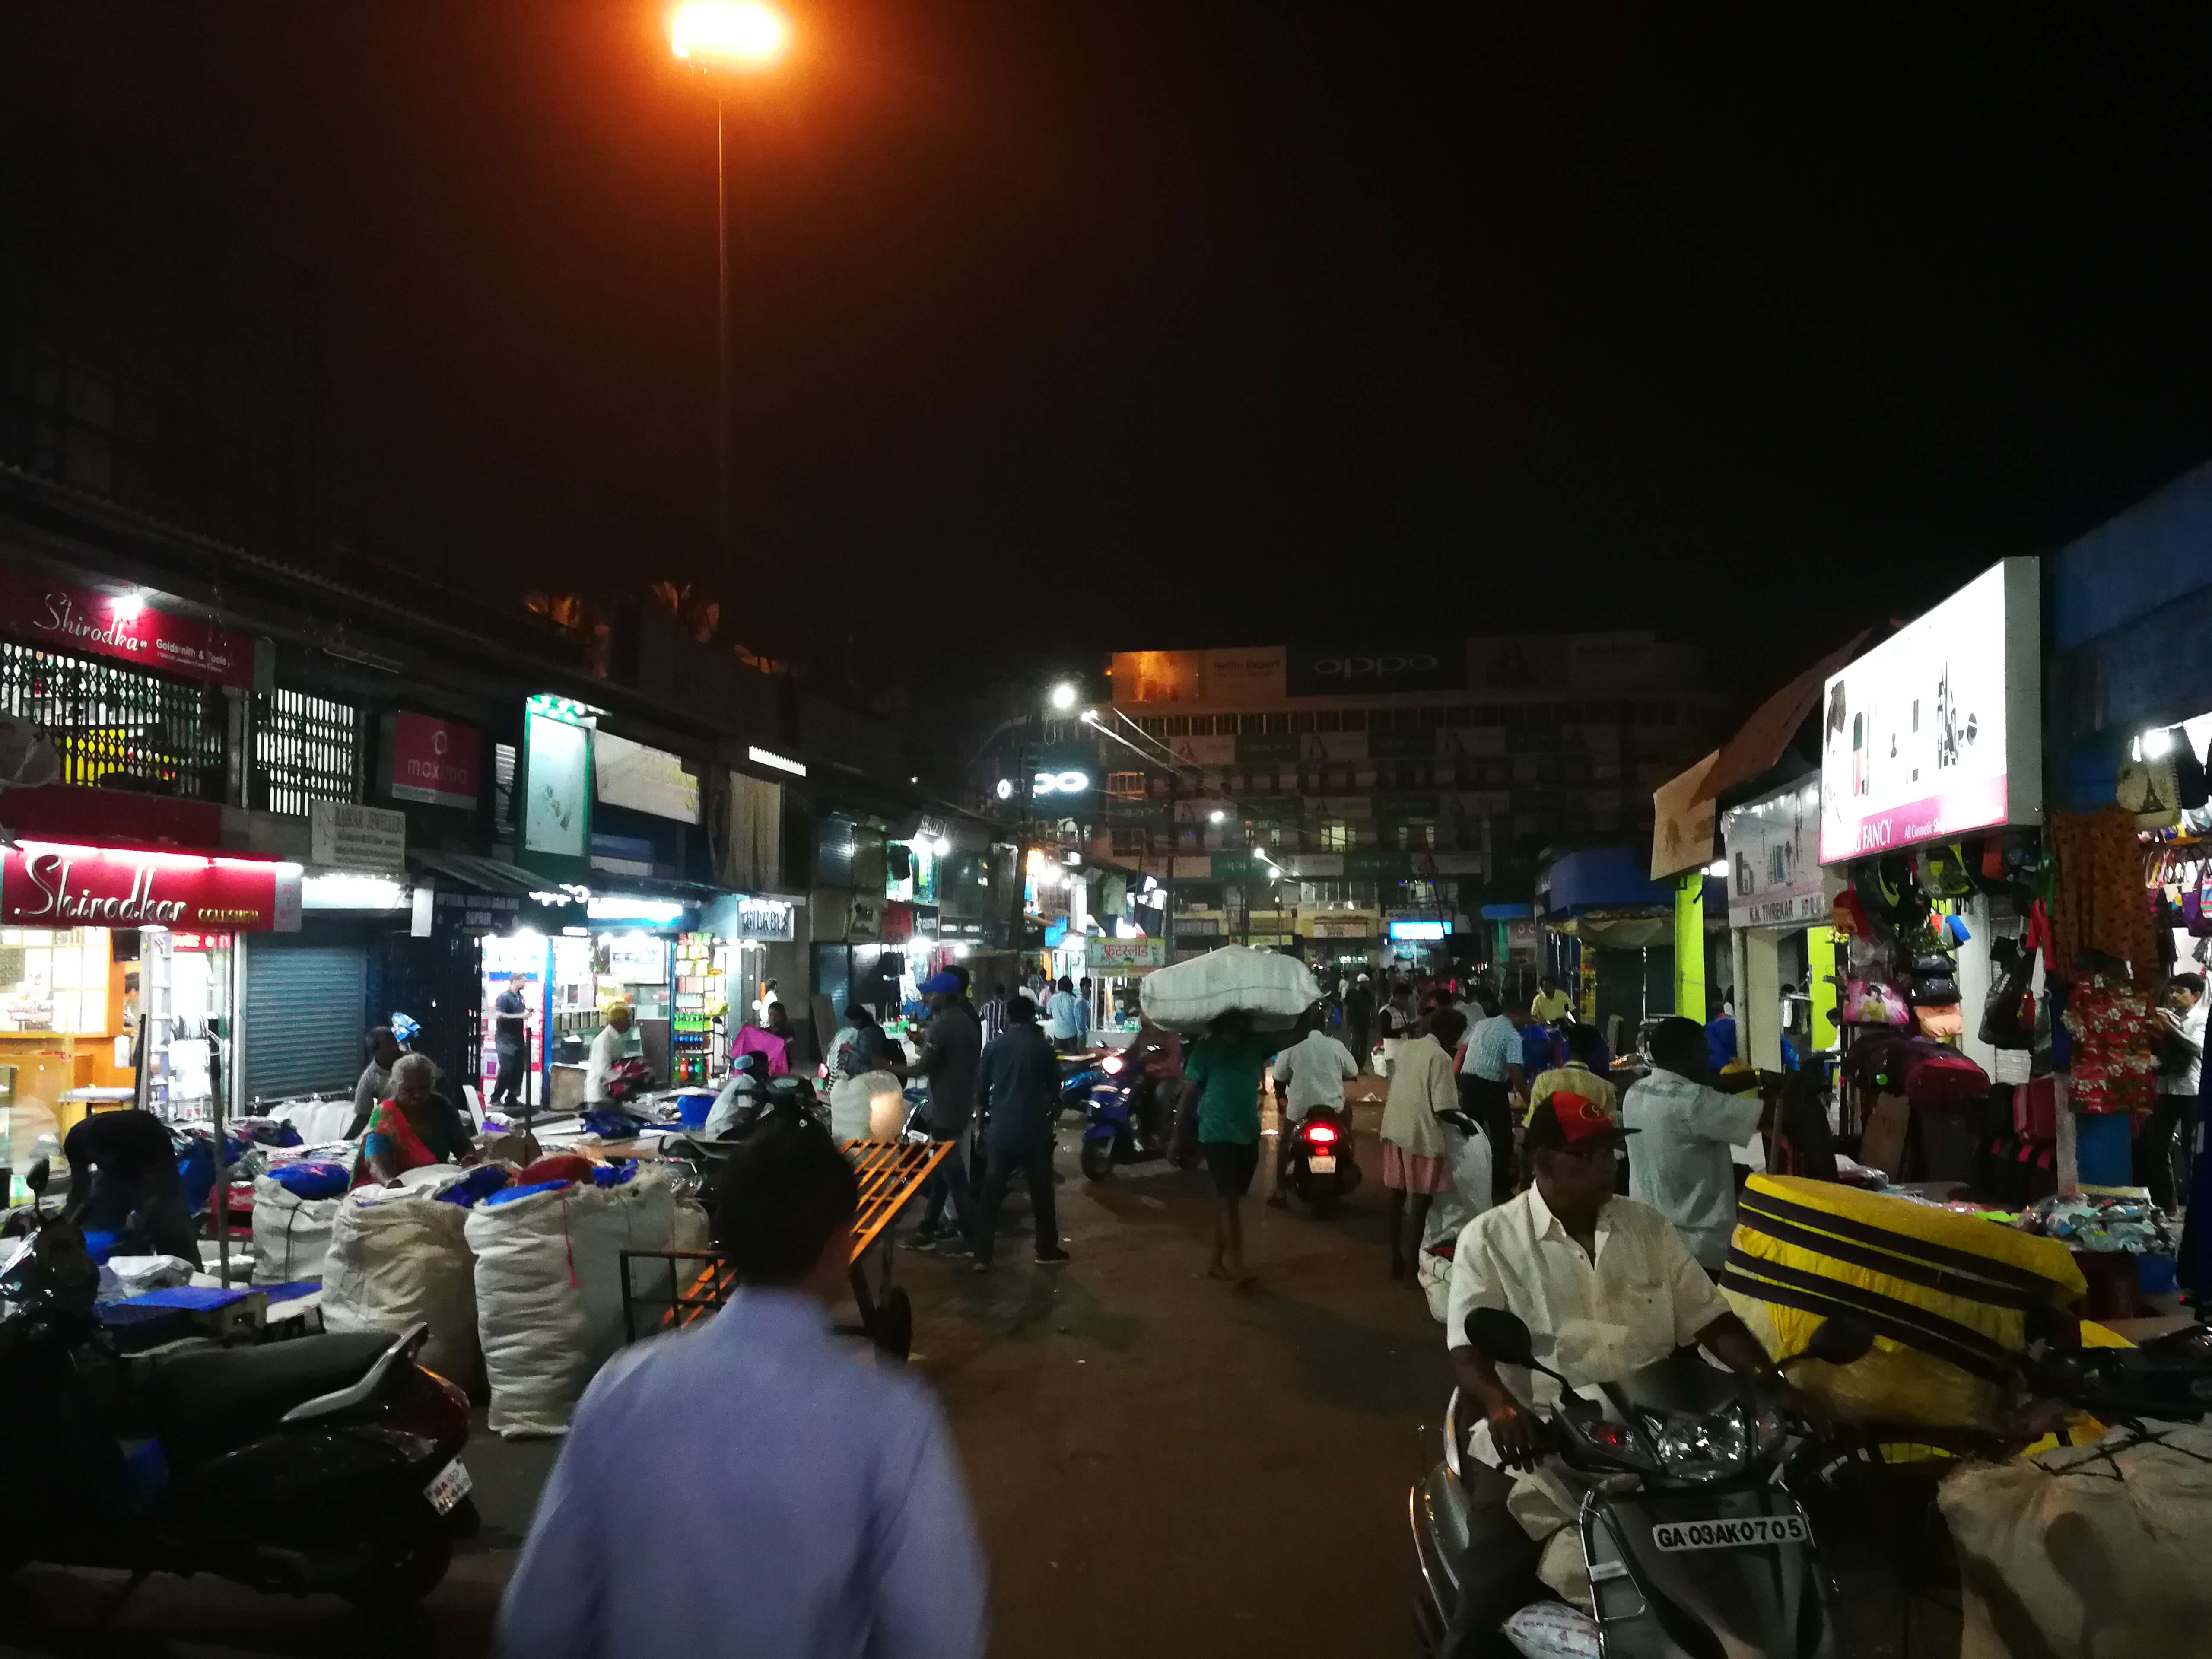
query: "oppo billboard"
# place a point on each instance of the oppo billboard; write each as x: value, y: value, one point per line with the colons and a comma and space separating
x: 1336, y: 670
x: 1937, y: 732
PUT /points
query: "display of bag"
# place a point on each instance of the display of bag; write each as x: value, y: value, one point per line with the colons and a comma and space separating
x: 291, y: 1234
x: 548, y: 1290
x: 398, y: 1255
x: 1872, y: 1002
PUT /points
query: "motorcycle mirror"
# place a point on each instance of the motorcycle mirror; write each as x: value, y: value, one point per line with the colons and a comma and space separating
x: 38, y: 1176
x: 1840, y: 1340
x: 1500, y: 1337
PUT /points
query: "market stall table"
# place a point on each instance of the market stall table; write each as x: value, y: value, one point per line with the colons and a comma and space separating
x: 890, y: 1173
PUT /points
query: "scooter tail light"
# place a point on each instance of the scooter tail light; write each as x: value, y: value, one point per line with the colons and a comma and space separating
x: 1321, y: 1135
x: 423, y: 1402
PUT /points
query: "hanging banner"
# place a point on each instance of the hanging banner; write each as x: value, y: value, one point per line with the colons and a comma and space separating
x: 58, y: 616
x: 432, y: 761
x: 45, y: 885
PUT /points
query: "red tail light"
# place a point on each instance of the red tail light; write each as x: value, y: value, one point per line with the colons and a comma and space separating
x: 1321, y: 1134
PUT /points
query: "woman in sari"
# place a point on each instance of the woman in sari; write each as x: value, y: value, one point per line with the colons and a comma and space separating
x: 413, y: 1129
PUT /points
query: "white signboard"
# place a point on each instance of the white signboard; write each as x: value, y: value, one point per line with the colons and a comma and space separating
x: 369, y: 838
x: 1936, y: 732
x: 766, y: 918
x: 1774, y: 860
x: 1124, y: 956
x: 556, y: 818
x: 644, y: 779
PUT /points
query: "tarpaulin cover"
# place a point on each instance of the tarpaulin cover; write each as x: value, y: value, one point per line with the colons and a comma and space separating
x: 1946, y: 1295
x: 1611, y: 876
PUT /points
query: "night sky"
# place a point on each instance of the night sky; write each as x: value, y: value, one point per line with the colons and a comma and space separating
x: 1065, y: 324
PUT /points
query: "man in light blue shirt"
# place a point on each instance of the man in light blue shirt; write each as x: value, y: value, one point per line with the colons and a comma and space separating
x: 1492, y: 1075
x: 1680, y: 1164
x: 1068, y: 1018
x: 750, y: 1488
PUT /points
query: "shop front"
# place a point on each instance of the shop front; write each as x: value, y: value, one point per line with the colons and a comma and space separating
x: 1778, y: 906
x: 119, y: 980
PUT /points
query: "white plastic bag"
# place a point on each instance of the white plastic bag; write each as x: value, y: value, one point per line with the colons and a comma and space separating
x: 549, y: 1291
x: 1468, y: 1156
x: 398, y: 1255
x: 1273, y: 988
x: 291, y: 1235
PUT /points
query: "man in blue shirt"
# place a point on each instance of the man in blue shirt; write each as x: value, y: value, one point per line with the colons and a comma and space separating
x: 1019, y: 1093
x: 747, y: 1488
x: 1069, y: 1018
x: 1496, y: 1071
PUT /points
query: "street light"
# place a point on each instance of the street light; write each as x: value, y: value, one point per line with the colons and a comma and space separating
x: 1216, y: 816
x: 724, y: 36
x: 1063, y: 695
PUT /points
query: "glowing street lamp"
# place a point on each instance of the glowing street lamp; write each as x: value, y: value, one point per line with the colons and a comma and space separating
x: 720, y: 36
x: 1063, y: 695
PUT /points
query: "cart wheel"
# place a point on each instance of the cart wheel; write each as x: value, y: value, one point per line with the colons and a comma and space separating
x: 894, y: 1324
x: 1098, y: 1160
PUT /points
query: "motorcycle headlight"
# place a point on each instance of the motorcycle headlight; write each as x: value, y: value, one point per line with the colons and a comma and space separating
x: 1692, y: 1446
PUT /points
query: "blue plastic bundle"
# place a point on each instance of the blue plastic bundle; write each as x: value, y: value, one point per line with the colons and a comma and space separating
x: 693, y: 1105
x: 100, y: 1245
x: 613, y: 1123
x: 511, y: 1194
x: 312, y: 1179
x: 274, y: 1134
x: 479, y: 1185
x: 614, y: 1174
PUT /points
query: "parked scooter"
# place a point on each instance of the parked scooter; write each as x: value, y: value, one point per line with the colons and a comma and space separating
x: 1694, y: 1541
x: 324, y: 1463
x: 1323, y: 1172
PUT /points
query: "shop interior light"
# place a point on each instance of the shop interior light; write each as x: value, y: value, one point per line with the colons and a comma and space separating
x: 1718, y: 867
x: 346, y: 890
x: 576, y: 933
x: 612, y: 907
x: 1216, y: 816
x: 942, y: 847
x: 127, y: 605
x: 1073, y: 858
x: 1006, y: 789
x: 2154, y: 744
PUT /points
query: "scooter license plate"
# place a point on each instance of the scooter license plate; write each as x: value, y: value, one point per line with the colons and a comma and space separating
x: 1322, y: 1164
x: 452, y: 1486
x: 1751, y: 1532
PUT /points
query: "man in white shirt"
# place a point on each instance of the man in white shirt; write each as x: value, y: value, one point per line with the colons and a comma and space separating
x: 1310, y: 1076
x: 1682, y: 1167
x: 1605, y: 1287
x: 613, y: 1043
x: 2183, y: 1041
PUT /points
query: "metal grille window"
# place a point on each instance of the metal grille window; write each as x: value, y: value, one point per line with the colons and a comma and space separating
x: 305, y: 749
x: 118, y: 725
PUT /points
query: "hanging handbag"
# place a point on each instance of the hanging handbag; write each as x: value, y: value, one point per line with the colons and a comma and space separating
x: 1871, y: 1002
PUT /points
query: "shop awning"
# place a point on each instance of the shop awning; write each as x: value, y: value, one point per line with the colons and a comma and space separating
x: 1684, y: 806
x: 1606, y: 876
x: 485, y: 875
x: 1508, y: 912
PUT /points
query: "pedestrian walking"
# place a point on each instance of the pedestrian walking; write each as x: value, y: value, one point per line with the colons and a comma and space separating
x: 1492, y: 1078
x: 1018, y: 1092
x: 510, y: 1045
x: 1359, y: 1018
x: 1069, y: 1018
x: 1222, y: 1073
x: 951, y: 1046
x: 1415, y: 1165
x: 993, y: 1013
x: 827, y: 1493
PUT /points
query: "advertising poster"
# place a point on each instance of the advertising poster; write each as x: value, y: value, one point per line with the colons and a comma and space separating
x: 432, y: 761
x: 557, y: 817
x: 1774, y: 860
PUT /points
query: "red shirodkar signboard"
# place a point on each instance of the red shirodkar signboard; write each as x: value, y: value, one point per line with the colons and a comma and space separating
x: 47, y: 884
x: 60, y: 615
x: 435, y: 761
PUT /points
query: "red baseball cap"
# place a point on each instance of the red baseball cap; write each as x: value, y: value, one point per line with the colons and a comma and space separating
x: 1566, y: 1119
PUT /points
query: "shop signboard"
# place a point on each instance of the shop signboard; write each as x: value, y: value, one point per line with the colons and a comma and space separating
x: 1338, y: 669
x: 1314, y: 866
x: 1408, y: 806
x: 1419, y: 744
x: 58, y: 616
x: 1774, y: 859
x: 643, y: 779
x: 1521, y: 941
x: 771, y: 919
x: 343, y: 837
x: 1125, y: 955
x: 1377, y: 864
x: 1239, y: 867
x: 45, y: 884
x: 432, y: 761
x: 1343, y: 927
x: 1936, y: 732
x: 556, y: 818
x: 1267, y: 749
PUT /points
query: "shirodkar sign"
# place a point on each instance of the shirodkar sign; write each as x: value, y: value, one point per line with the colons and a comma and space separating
x: 44, y: 885
x: 1336, y: 670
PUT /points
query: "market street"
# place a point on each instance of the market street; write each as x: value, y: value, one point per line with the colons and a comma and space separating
x: 1156, y: 1463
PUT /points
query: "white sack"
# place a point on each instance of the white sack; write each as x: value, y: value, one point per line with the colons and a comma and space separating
x: 869, y: 1107
x: 1468, y: 1156
x: 549, y: 1291
x: 1275, y: 989
x: 399, y: 1255
x: 291, y: 1235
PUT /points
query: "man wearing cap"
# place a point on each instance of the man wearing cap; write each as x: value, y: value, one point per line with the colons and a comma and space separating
x: 1682, y: 1167
x: 1605, y: 1287
x: 951, y: 1047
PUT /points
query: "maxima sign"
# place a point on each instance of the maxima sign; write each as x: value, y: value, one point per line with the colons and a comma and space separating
x: 1935, y: 732
x: 1336, y: 670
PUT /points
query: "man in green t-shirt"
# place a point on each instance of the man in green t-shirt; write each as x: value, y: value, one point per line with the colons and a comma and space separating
x: 1222, y: 1073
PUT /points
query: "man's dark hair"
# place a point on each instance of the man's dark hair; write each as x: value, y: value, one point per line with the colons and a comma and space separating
x: 1022, y: 1012
x: 1446, y: 1025
x: 999, y: 989
x: 959, y: 971
x: 781, y: 1199
x: 1679, y: 1045
x: 1487, y: 1001
x: 1584, y: 1044
x: 859, y: 1013
x: 1517, y: 1003
x: 1067, y: 985
x: 377, y: 1037
x: 2192, y: 983
x: 1548, y: 980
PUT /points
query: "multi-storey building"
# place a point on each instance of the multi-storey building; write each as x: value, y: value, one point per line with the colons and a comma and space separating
x: 1271, y: 785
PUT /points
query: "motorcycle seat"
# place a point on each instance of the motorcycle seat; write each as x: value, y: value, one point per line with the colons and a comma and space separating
x: 202, y: 1404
